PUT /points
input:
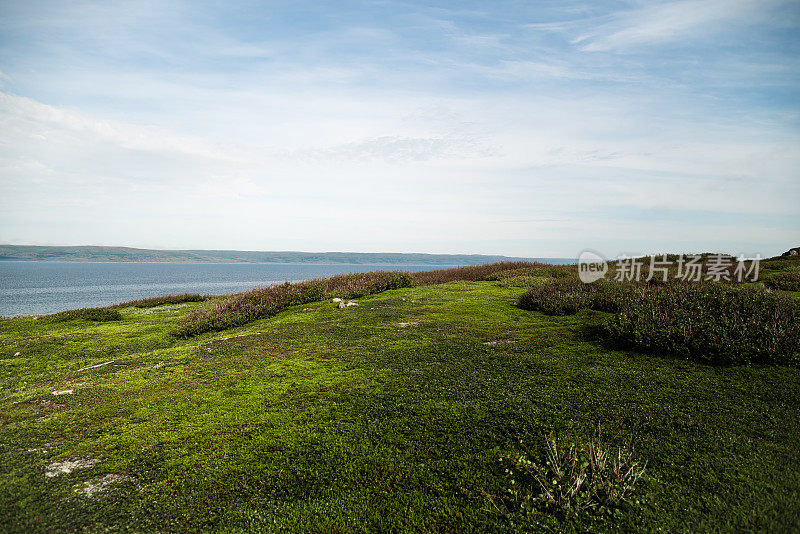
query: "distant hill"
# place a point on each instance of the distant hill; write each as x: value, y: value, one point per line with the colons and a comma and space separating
x: 126, y: 254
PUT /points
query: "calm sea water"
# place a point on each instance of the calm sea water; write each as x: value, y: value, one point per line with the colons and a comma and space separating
x: 29, y: 287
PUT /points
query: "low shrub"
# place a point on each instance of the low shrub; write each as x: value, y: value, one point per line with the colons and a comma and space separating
x: 710, y: 322
x: 570, y: 479
x: 785, y: 280
x: 563, y: 296
x: 540, y: 271
x: 782, y: 263
x: 704, y: 321
x: 85, y: 314
x: 357, y: 285
x: 243, y: 308
x: 152, y: 302
x: 471, y: 273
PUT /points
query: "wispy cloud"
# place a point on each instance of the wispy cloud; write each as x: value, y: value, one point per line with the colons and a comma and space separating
x: 662, y: 22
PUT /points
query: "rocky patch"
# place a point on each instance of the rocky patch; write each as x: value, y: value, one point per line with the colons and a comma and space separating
x: 68, y: 465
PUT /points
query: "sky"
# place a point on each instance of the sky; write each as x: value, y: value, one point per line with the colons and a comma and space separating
x: 523, y: 128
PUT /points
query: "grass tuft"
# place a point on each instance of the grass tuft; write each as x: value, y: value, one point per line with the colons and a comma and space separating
x: 572, y: 478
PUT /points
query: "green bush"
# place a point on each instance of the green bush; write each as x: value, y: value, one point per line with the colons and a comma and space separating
x: 785, y: 280
x: 357, y: 285
x: 563, y: 296
x: 243, y: 308
x: 709, y: 322
x: 85, y: 314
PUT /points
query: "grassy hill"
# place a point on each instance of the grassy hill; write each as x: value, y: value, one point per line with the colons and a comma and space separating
x: 392, y: 415
x: 127, y: 254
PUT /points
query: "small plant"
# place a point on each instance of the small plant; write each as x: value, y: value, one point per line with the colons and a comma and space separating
x: 571, y: 479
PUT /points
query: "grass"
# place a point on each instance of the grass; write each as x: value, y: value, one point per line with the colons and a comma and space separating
x: 320, y: 419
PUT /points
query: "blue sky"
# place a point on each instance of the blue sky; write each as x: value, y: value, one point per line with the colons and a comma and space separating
x: 519, y: 128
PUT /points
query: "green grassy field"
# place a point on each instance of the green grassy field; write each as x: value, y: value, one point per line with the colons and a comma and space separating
x: 389, y: 416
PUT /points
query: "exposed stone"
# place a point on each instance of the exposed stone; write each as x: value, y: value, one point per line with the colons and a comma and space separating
x: 337, y: 299
x: 17, y: 354
x: 64, y: 392
x: 496, y: 342
x: 406, y: 324
x: 68, y: 465
x: 352, y: 303
x: 342, y: 304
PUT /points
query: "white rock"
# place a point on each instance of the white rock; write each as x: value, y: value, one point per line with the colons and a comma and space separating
x: 17, y: 354
x: 352, y: 303
x: 342, y: 304
x: 64, y: 392
x: 337, y: 299
x: 66, y: 467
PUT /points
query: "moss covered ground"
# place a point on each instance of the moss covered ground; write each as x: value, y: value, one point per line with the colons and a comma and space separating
x: 389, y: 416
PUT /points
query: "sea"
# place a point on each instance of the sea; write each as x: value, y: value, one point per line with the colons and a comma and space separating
x: 42, y: 287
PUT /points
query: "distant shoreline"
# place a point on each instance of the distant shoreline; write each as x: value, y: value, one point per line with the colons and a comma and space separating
x: 101, y: 254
